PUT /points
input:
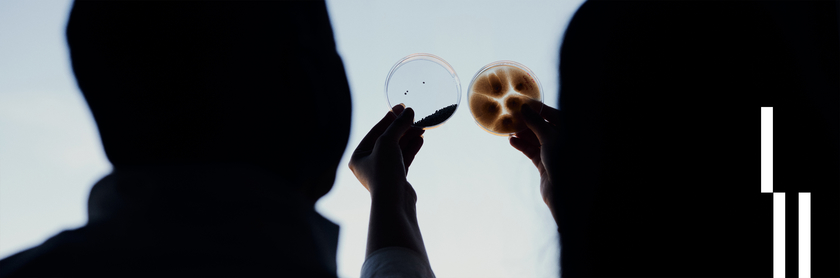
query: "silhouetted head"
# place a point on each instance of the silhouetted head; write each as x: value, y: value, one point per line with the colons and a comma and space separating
x: 255, y: 83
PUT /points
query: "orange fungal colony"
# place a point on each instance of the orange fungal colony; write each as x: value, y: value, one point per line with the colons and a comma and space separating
x: 498, y: 94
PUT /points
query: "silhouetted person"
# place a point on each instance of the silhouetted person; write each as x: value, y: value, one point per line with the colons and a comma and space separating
x: 649, y: 167
x: 224, y: 122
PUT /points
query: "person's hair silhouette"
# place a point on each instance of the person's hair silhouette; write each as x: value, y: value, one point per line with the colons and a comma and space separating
x: 657, y: 160
x: 224, y: 121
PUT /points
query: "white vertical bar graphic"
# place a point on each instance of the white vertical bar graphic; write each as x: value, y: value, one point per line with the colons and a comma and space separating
x: 779, y: 235
x: 804, y: 234
x: 767, y: 149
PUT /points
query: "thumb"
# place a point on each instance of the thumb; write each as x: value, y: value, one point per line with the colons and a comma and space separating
x: 536, y: 123
x: 396, y: 130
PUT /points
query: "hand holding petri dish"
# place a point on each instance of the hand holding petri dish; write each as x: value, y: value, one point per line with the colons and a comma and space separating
x: 496, y: 95
x: 427, y: 84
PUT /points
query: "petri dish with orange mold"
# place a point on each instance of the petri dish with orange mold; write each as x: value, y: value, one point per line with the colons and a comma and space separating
x: 496, y: 95
x: 427, y: 84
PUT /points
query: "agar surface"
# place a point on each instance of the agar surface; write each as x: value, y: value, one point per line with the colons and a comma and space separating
x: 498, y: 96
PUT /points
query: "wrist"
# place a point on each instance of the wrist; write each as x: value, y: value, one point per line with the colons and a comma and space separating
x: 395, y: 199
x: 392, y: 205
x: 387, y: 191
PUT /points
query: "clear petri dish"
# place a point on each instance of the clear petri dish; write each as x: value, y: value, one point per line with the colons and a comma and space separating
x: 496, y: 95
x: 428, y: 85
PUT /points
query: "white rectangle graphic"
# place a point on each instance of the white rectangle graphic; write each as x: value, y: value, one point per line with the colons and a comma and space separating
x: 766, y: 149
x: 804, y: 234
x: 779, y: 235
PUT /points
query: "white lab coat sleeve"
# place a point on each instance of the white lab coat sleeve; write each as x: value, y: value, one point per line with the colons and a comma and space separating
x: 396, y: 262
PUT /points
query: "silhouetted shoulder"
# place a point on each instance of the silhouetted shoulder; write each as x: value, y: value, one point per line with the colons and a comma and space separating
x: 59, y: 255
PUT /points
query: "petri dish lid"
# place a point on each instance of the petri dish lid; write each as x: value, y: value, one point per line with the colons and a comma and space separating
x: 427, y: 84
x: 496, y: 94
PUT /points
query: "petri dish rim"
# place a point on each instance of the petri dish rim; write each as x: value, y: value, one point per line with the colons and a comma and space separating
x: 493, y: 65
x: 433, y: 58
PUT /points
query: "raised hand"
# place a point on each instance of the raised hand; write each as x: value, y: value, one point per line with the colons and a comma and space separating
x: 385, y: 153
x: 381, y: 162
x: 540, y: 143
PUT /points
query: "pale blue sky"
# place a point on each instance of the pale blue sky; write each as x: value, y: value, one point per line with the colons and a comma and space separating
x: 478, y: 199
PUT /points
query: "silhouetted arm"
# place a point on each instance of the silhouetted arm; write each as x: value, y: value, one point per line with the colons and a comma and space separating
x: 570, y: 204
x: 380, y: 162
x: 540, y: 143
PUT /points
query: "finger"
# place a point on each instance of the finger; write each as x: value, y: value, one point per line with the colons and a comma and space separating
x: 370, y: 139
x: 551, y: 114
x: 397, y: 128
x: 411, y: 150
x: 537, y: 124
x: 397, y: 109
x: 531, y: 151
x: 529, y: 136
x: 413, y: 132
x: 410, y: 144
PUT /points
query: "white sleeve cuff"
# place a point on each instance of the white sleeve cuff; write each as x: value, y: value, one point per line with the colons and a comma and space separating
x: 396, y: 262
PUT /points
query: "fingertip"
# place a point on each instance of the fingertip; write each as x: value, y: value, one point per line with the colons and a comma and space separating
x: 419, y: 142
x: 390, y: 115
x: 397, y: 109
x: 514, y: 141
x: 407, y: 115
x: 518, y: 144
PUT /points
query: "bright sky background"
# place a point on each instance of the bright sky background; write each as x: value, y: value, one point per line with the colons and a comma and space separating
x: 479, y: 206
